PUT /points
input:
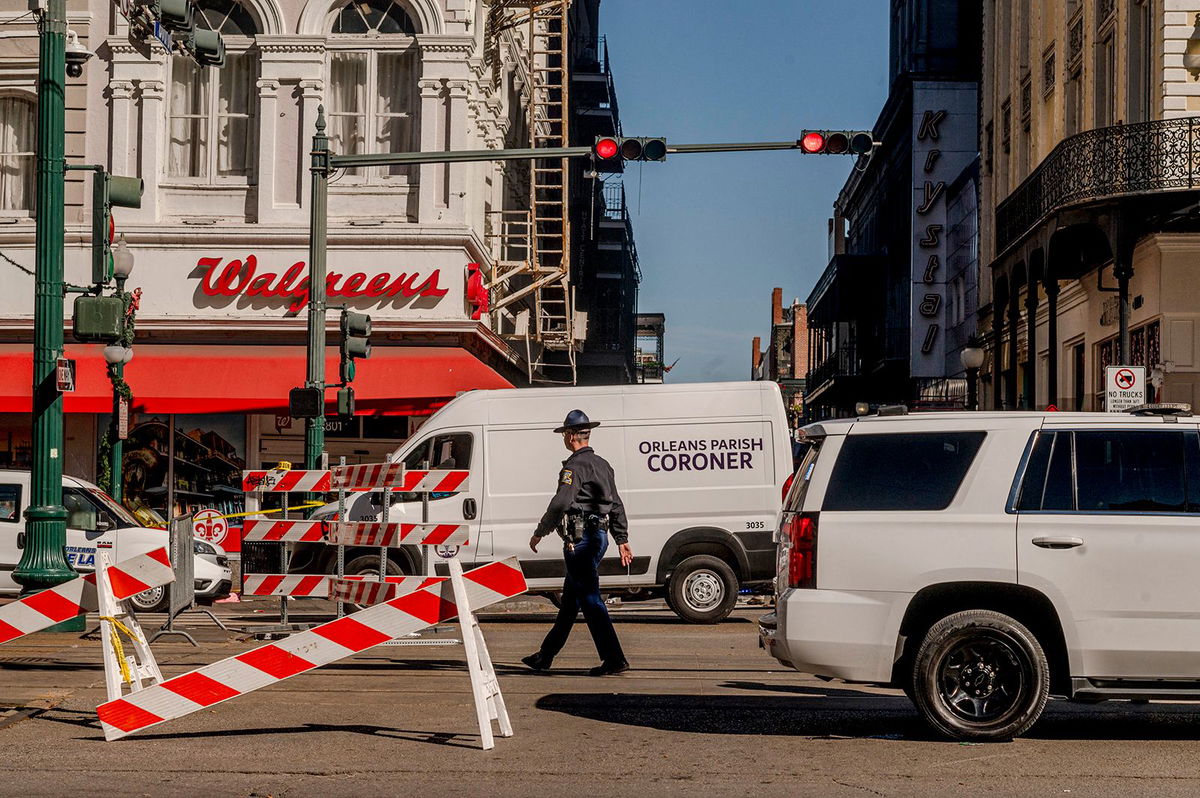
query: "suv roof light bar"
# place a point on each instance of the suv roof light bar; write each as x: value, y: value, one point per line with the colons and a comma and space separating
x: 1179, y: 409
x: 892, y: 410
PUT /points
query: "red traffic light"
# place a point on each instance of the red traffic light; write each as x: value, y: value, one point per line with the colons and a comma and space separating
x: 812, y: 142
x: 605, y: 148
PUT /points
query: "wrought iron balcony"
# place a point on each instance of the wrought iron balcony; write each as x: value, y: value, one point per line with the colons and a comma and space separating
x: 841, y: 362
x: 1101, y: 164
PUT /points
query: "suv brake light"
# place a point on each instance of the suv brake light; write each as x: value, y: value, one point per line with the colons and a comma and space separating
x: 800, y: 539
x: 788, y: 485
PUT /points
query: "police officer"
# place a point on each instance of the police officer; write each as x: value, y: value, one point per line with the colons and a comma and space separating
x: 585, y: 508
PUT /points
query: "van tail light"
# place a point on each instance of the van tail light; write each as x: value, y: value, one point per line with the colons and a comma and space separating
x: 788, y: 485
x: 800, y: 538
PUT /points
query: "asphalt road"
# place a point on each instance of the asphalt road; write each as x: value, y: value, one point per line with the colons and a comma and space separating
x: 703, y: 712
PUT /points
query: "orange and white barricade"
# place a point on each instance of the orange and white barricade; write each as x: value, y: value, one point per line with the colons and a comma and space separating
x: 105, y: 591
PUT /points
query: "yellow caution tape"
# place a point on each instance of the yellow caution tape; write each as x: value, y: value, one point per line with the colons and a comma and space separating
x: 304, y: 506
x: 119, y: 628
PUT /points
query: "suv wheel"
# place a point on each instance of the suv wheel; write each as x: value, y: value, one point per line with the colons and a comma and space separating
x: 703, y: 589
x: 155, y: 599
x: 980, y: 675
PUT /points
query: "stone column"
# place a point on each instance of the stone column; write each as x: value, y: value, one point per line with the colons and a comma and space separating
x: 430, y: 185
x: 1051, y: 338
x: 459, y: 130
x: 1031, y: 305
x: 311, y: 96
x: 150, y: 150
x: 268, y: 112
x: 122, y: 108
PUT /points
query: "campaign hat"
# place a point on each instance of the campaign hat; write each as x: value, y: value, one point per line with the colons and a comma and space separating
x: 577, y: 421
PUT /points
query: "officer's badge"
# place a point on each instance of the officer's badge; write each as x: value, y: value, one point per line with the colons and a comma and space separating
x: 567, y: 477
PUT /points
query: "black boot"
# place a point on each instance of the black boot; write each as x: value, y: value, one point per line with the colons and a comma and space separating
x: 537, y: 661
x: 609, y: 668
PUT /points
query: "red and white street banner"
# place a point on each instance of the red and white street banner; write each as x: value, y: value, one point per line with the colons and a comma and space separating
x: 301, y: 585
x: 370, y: 533
x: 368, y: 476
x: 372, y: 591
x: 270, y: 530
x: 78, y: 596
x: 286, y: 481
x: 304, y: 651
x: 439, y: 481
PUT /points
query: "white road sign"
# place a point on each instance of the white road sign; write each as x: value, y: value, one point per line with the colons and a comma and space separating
x: 1124, y: 387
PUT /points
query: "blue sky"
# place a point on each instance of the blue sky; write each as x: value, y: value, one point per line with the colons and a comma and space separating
x: 716, y: 232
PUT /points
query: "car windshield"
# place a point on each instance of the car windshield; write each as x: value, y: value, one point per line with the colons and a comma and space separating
x: 108, y: 503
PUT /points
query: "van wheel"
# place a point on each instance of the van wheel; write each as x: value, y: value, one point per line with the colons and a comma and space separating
x: 368, y: 565
x: 980, y: 675
x: 156, y: 599
x: 703, y: 589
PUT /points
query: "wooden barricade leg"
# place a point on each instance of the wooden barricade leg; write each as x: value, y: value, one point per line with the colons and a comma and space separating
x: 489, y: 702
x: 137, y: 668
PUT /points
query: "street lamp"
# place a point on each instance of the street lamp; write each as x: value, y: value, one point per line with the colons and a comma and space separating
x: 117, y: 355
x: 122, y: 262
x: 972, y: 359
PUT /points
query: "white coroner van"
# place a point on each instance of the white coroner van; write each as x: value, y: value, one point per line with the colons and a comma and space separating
x: 700, y: 467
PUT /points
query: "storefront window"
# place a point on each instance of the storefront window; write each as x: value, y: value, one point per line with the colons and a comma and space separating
x: 209, y: 456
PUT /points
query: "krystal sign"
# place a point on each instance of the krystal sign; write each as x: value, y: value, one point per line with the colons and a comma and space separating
x: 253, y: 282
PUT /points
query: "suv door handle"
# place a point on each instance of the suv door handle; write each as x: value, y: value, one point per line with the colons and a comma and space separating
x: 469, y: 509
x: 1058, y: 543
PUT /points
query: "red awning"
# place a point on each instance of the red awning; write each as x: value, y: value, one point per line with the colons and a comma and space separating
x: 250, y: 379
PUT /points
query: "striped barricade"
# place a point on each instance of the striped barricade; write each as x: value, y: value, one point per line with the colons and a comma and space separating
x: 376, y: 476
x: 438, y: 481
x: 286, y: 481
x: 318, y: 586
x: 266, y: 530
x: 78, y: 596
x: 299, y: 653
x: 371, y: 591
x: 371, y: 533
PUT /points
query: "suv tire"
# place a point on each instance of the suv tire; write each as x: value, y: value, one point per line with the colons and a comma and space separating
x: 980, y: 675
x: 702, y: 589
x: 156, y: 599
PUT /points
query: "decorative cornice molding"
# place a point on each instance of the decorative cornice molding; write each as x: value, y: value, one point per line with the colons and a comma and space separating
x: 290, y: 44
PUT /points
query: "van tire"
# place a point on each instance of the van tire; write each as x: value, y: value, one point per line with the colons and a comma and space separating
x: 980, y: 675
x: 369, y: 564
x: 156, y: 599
x: 702, y: 589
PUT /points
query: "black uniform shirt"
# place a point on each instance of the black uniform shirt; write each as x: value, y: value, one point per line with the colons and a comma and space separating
x: 586, y: 483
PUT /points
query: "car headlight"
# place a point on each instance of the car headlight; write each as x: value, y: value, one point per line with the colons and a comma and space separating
x: 200, y: 547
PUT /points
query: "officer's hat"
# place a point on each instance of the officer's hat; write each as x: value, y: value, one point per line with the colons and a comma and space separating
x: 577, y: 421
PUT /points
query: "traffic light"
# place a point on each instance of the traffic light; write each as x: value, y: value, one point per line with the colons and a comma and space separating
x: 608, y: 148
x: 837, y: 142
x: 208, y: 48
x: 345, y: 401
x: 108, y: 191
x: 306, y: 403
x: 98, y: 319
x: 356, y: 332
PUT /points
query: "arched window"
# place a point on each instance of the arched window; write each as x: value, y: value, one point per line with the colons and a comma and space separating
x: 18, y: 132
x: 211, y: 109
x: 372, y: 97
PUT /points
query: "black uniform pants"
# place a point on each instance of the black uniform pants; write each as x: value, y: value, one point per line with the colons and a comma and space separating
x: 581, y: 591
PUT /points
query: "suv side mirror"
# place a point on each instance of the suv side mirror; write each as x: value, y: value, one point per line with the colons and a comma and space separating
x: 103, y: 525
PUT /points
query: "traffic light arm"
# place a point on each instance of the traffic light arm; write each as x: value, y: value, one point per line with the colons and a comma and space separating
x: 463, y: 156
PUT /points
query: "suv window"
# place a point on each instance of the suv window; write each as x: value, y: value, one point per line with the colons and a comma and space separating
x: 10, y: 502
x: 1113, y: 471
x: 901, y: 471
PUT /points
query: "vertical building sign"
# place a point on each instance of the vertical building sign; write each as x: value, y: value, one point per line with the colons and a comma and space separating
x: 944, y: 143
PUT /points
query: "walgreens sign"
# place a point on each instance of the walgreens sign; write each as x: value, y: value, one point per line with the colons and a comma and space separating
x: 243, y: 277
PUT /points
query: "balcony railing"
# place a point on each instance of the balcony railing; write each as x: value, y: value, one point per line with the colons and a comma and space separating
x: 1106, y: 163
x: 842, y: 362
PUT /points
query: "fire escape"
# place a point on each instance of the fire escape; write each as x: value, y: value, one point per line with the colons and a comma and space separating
x: 530, y: 280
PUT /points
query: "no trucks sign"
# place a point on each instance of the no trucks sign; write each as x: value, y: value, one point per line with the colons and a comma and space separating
x: 1124, y: 387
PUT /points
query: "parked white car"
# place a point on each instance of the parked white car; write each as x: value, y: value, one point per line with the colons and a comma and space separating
x: 96, y: 522
x: 700, y: 468
x: 984, y: 561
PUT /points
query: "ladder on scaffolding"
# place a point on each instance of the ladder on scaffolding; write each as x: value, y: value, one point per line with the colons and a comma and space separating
x: 545, y: 237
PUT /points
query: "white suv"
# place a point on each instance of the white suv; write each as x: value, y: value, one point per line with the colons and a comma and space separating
x: 984, y: 561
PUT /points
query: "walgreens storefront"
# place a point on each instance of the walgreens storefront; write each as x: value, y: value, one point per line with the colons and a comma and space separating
x: 220, y: 342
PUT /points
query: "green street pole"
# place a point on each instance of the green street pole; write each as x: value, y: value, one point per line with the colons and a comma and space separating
x: 314, y: 428
x: 43, y: 558
x: 116, y: 486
